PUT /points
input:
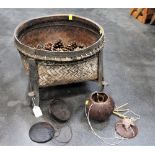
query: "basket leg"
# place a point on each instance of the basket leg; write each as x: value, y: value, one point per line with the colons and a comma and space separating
x: 33, y: 82
x: 28, y: 99
x: 100, y: 71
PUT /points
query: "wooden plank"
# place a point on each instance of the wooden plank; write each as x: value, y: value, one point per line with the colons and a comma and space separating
x: 33, y: 80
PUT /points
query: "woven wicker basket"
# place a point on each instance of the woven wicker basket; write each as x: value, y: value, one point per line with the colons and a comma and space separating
x: 57, y: 68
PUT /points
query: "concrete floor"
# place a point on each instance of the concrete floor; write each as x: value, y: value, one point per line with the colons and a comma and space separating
x: 129, y: 68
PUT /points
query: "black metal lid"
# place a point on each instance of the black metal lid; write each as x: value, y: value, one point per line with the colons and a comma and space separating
x: 41, y: 132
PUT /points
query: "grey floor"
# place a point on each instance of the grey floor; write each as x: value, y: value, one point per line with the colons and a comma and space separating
x: 129, y: 68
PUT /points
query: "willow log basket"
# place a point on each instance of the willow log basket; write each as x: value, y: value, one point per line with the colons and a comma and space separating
x: 49, y: 68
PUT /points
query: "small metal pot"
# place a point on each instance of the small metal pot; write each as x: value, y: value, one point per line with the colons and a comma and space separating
x: 100, y: 106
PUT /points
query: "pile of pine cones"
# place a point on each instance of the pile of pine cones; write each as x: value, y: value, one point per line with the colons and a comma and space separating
x: 59, y: 46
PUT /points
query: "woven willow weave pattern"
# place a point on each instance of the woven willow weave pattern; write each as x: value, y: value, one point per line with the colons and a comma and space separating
x: 55, y: 73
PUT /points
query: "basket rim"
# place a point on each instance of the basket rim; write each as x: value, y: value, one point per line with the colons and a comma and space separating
x: 54, y: 55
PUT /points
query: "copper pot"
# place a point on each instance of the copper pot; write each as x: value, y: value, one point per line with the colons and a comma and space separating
x: 100, y: 106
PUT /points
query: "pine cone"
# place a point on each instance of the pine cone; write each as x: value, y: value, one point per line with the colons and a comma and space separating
x: 48, y: 46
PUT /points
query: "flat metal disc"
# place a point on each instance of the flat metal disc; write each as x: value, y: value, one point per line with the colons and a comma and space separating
x: 130, y: 133
x: 41, y: 132
x: 59, y: 110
